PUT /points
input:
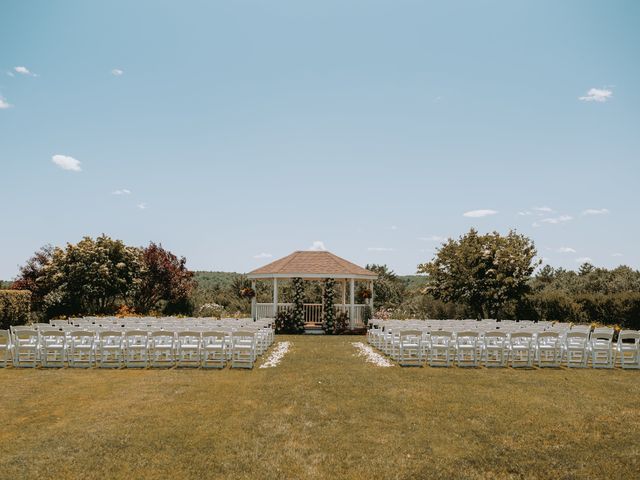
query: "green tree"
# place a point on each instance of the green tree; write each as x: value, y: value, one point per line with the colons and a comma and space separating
x: 90, y: 277
x: 95, y: 276
x: 388, y: 289
x: 482, y: 271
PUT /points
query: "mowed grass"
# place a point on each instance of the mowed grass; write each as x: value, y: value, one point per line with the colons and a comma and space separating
x: 322, y: 413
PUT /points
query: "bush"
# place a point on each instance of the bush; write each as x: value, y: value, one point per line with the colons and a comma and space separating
x: 285, y: 322
x: 341, y: 323
x: 15, y: 307
x: 367, y: 314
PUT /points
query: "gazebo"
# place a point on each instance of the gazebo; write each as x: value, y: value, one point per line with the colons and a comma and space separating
x: 314, y: 266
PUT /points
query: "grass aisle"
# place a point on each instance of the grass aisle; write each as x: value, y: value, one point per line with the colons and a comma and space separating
x: 322, y: 412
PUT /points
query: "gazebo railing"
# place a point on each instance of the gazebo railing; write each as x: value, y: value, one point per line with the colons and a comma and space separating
x: 313, y: 312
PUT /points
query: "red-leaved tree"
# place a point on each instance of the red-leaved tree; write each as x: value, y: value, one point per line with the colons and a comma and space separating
x: 164, y: 277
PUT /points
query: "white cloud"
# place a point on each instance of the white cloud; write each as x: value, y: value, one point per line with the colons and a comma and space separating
x: 24, y: 71
x: 380, y: 249
x: 3, y: 103
x: 479, y: 213
x: 263, y: 255
x: 617, y: 254
x: 566, y: 250
x: 433, y: 238
x: 538, y: 211
x: 66, y: 163
x: 543, y: 209
x: 317, y: 246
x: 393, y: 227
x: 116, y: 72
x: 584, y: 260
x: 142, y: 206
x: 553, y: 220
x: 595, y: 211
x: 597, y: 95
x: 123, y: 191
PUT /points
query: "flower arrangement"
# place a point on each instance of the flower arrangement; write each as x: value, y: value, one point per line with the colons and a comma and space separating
x: 247, y: 292
x: 212, y: 310
x: 328, y: 314
x: 383, y: 314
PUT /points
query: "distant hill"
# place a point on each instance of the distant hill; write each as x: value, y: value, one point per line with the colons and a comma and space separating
x: 414, y: 281
x: 224, y: 279
x: 215, y: 279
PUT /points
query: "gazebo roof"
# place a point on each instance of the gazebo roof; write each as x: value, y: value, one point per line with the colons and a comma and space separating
x: 312, y: 264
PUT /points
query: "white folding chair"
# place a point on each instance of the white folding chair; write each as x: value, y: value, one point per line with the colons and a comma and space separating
x: 575, y: 349
x: 549, y: 349
x: 467, y: 349
x: 440, y: 344
x: 25, y: 347
x: 162, y: 348
x: 214, y: 349
x: 188, y: 349
x: 243, y: 349
x: 109, y: 350
x: 136, y: 348
x: 81, y: 351
x: 521, y: 349
x: 59, y: 323
x: 5, y: 347
x: 53, y: 346
x: 410, y: 348
x: 628, y: 349
x: 495, y: 351
x: 601, y: 347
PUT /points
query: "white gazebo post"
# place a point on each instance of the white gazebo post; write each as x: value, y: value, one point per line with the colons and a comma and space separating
x: 275, y: 297
x: 352, y: 300
x: 253, y: 300
x: 371, y: 299
x: 344, y: 292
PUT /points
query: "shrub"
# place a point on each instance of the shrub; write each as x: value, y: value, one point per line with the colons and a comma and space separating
x: 285, y: 322
x: 341, y: 323
x: 15, y: 307
x: 366, y: 315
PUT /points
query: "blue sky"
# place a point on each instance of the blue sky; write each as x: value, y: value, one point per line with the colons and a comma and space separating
x: 237, y: 132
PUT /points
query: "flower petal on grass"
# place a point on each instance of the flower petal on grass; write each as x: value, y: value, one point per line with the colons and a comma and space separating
x: 276, y: 355
x: 370, y: 355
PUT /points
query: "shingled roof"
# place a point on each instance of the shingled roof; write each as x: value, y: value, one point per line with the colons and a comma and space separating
x: 310, y: 264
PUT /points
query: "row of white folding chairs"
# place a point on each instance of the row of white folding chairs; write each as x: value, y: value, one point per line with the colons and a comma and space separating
x: 133, y: 348
x: 262, y: 326
x: 147, y: 321
x: 495, y: 348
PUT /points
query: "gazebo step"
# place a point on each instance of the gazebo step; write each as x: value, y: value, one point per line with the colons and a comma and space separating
x: 313, y: 329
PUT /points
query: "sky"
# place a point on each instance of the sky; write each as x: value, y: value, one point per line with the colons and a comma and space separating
x: 236, y: 132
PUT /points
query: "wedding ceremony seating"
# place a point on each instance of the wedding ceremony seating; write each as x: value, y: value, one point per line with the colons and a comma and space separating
x: 133, y: 342
x: 492, y: 343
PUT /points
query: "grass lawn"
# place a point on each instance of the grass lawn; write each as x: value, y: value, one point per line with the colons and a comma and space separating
x: 322, y: 413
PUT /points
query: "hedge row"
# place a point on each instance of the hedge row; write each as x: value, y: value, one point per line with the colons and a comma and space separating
x: 15, y: 307
x: 609, y: 309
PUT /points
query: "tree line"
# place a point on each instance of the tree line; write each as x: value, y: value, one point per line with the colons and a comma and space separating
x: 100, y: 276
x: 473, y: 276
